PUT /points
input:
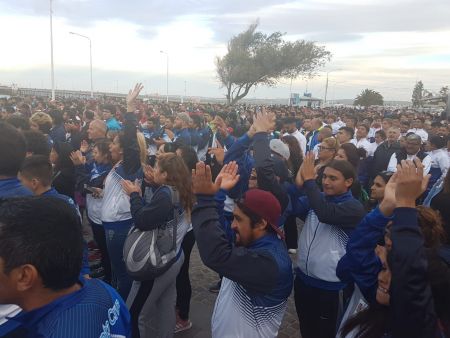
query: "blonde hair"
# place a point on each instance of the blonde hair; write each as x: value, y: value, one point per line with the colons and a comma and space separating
x: 142, y: 147
x: 43, y: 120
x: 332, y: 142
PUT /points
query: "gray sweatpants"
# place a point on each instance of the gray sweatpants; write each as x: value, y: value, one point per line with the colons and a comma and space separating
x: 157, y: 316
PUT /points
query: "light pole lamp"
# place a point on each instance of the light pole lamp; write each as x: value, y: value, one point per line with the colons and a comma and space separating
x: 167, y: 75
x: 51, y: 51
x: 90, y: 58
x: 326, y: 85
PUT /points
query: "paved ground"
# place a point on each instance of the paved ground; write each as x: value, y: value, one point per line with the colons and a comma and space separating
x: 202, y: 304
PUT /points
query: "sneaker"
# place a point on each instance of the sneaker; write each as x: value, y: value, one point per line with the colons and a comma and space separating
x: 292, y: 251
x: 215, y: 288
x: 182, y: 325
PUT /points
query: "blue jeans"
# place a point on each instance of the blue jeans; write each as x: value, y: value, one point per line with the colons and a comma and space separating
x: 116, y: 233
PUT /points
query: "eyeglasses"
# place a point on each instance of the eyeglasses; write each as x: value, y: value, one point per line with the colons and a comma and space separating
x: 325, y: 148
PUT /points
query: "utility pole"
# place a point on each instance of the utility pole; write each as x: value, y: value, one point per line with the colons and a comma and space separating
x: 51, y: 50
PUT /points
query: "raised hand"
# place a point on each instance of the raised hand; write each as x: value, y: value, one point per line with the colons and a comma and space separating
x: 388, y: 203
x: 149, y: 174
x: 218, y: 152
x: 202, y: 180
x: 308, y: 169
x: 132, y: 95
x: 299, y: 179
x: 410, y: 183
x: 263, y: 121
x: 77, y: 158
x: 228, y: 176
x: 131, y: 187
x: 84, y: 147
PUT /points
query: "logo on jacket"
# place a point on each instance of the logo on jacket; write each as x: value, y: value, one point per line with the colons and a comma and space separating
x: 113, y: 316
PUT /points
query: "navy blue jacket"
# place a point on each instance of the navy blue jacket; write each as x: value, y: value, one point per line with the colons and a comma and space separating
x: 239, y: 152
x: 265, y: 169
x: 96, y: 310
x: 11, y: 187
x: 411, y: 306
x: 58, y: 133
x: 183, y: 137
x: 360, y: 264
x: 263, y: 267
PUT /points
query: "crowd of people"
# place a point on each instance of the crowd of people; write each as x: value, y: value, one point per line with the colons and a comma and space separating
x: 347, y: 208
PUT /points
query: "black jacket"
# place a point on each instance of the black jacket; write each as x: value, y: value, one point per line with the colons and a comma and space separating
x: 64, y: 181
x: 265, y: 169
x: 382, y: 156
x: 411, y: 304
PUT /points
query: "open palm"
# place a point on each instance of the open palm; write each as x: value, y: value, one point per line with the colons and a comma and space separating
x: 133, y: 94
x: 228, y: 176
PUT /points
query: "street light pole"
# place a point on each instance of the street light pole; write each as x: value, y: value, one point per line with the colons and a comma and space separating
x: 290, y: 94
x: 326, y: 91
x: 167, y: 75
x: 90, y: 58
x: 51, y: 50
x: 90, y: 61
x: 326, y: 85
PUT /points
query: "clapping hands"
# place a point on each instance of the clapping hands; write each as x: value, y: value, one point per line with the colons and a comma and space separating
x: 77, y: 158
x: 202, y: 178
x: 131, y: 187
x: 307, y: 170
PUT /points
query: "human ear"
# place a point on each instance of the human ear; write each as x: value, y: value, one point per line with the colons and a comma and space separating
x: 348, y: 182
x: 25, y: 277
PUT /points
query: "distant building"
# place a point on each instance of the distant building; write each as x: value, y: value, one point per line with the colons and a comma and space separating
x: 306, y: 100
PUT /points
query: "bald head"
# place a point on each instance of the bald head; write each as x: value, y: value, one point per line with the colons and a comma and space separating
x: 97, y: 130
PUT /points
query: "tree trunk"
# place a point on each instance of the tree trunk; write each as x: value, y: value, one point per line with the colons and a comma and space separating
x: 228, y: 96
x: 241, y: 96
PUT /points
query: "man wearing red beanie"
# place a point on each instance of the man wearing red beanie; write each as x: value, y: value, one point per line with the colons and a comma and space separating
x: 257, y: 269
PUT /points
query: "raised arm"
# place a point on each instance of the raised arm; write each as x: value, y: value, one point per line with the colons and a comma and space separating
x: 131, y: 154
x: 255, y: 271
x: 264, y: 164
x: 360, y: 264
x: 411, y: 301
x: 349, y: 213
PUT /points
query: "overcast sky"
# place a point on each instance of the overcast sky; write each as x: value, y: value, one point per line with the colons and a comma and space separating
x: 385, y: 45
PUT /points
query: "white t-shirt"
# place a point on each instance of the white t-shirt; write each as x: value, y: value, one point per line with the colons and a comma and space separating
x: 422, y: 133
x: 363, y: 143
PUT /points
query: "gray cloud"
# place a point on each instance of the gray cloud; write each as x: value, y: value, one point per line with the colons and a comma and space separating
x: 412, y: 15
x: 333, y: 37
x: 330, y: 23
x: 143, y: 12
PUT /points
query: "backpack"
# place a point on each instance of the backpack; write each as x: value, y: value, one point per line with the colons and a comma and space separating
x: 148, y: 254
